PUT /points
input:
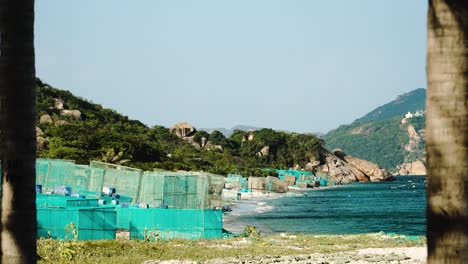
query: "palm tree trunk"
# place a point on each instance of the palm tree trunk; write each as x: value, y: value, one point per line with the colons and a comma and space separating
x: 447, y: 131
x: 17, y: 131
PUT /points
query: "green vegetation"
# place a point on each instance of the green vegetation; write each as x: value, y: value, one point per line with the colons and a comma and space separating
x: 103, y: 134
x: 408, y: 102
x: 379, y: 136
x: 381, y: 142
x: 132, y: 251
x: 418, y: 122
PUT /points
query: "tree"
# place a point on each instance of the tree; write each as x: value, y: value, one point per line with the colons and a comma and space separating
x: 199, y: 135
x: 217, y: 137
x: 447, y: 131
x: 17, y: 127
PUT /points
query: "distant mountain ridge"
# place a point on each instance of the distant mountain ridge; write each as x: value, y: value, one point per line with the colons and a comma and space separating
x: 385, y: 136
x: 229, y: 132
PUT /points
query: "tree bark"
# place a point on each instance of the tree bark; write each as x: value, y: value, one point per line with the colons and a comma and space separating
x: 17, y: 131
x: 447, y: 131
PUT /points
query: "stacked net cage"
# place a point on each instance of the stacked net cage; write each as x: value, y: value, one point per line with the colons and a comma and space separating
x: 125, y: 180
x: 185, y: 190
x: 82, y: 179
x: 181, y: 190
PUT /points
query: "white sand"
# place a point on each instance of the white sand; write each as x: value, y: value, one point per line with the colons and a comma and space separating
x: 416, y: 254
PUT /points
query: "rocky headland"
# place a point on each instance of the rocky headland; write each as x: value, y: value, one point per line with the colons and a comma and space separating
x: 343, y: 168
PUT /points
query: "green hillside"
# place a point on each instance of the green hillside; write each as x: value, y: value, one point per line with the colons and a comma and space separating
x: 408, y: 102
x: 380, y: 136
x: 103, y: 134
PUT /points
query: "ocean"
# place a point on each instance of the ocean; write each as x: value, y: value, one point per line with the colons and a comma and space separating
x: 392, y: 207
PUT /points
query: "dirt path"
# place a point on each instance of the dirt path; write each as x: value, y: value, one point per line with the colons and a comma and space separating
x: 409, y: 255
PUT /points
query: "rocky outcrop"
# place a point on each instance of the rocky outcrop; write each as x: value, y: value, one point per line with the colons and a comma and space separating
x: 203, y: 142
x: 58, y: 103
x: 264, y: 151
x: 183, y: 130
x: 249, y: 136
x: 345, y: 169
x: 45, y: 119
x: 372, y: 170
x: 414, y: 139
x: 39, y: 132
x: 75, y: 114
x: 416, y: 167
x: 210, y: 146
x: 41, y: 141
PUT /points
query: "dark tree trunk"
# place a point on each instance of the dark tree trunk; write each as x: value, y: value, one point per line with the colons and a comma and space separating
x: 447, y: 131
x: 17, y: 131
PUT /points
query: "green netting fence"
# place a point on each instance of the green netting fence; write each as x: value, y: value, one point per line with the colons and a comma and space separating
x: 295, y: 173
x: 236, y: 178
x: 125, y: 180
x: 81, y: 178
x: 188, y: 190
x: 60, y: 201
x: 184, y: 191
x: 89, y: 223
x: 175, y: 223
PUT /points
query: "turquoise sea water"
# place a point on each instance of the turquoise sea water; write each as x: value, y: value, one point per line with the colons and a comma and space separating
x: 391, y: 207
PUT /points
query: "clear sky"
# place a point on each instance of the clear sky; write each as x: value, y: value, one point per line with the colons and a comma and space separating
x: 304, y: 66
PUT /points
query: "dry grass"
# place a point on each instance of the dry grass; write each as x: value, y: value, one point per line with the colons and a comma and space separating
x: 131, y: 251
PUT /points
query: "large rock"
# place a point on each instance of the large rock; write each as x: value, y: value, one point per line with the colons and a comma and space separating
x: 345, y: 169
x: 416, y: 167
x: 249, y: 136
x: 372, y: 170
x: 203, y: 142
x: 39, y: 132
x: 340, y: 171
x: 339, y: 153
x: 58, y: 103
x: 45, y: 119
x: 75, y: 114
x: 210, y: 146
x: 264, y: 151
x: 183, y: 130
x: 41, y: 143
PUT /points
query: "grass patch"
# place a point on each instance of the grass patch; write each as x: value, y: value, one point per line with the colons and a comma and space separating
x: 132, y: 251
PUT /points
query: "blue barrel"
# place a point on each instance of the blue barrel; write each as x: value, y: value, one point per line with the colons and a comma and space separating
x: 38, y: 188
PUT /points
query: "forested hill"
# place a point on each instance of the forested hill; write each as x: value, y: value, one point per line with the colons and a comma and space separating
x: 74, y: 128
x: 382, y: 136
x: 408, y: 102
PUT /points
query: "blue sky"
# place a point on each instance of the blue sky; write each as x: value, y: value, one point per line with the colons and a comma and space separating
x: 304, y: 66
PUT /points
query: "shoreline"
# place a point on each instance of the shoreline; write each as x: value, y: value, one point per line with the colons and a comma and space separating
x: 254, y: 202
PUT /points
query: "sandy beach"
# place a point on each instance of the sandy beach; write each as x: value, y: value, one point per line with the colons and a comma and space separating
x: 253, y: 202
